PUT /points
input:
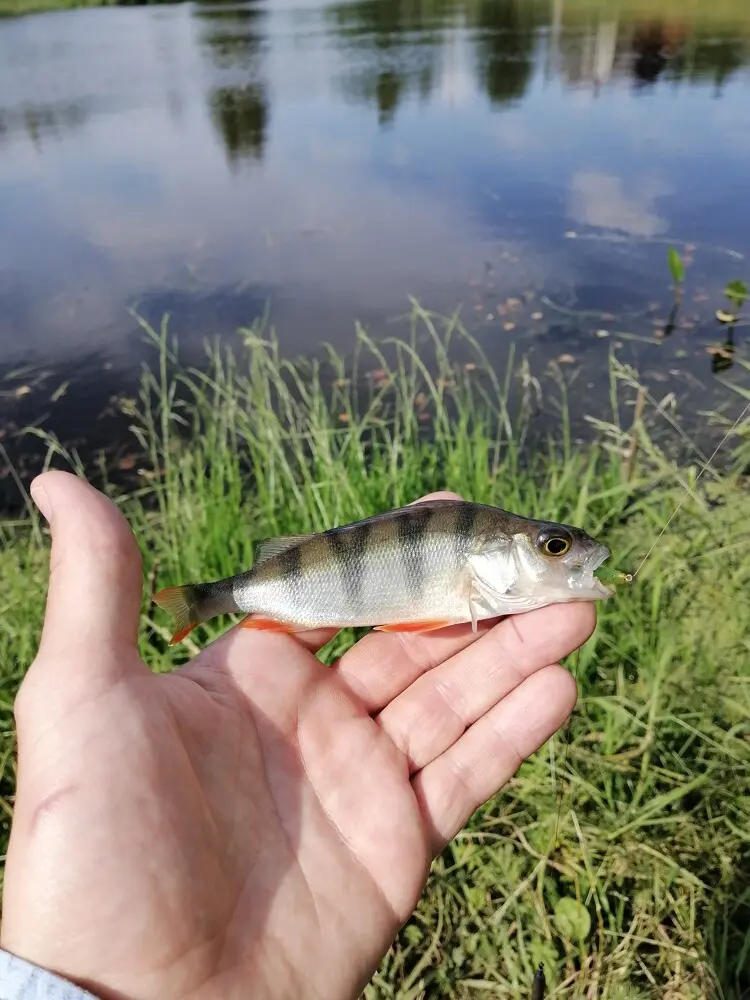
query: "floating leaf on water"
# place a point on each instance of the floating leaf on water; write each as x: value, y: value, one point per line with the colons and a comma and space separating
x: 344, y: 418
x: 571, y: 234
x: 59, y: 392
x: 489, y: 317
x: 509, y: 326
x: 602, y: 334
x: 22, y: 390
x: 572, y: 919
x: 126, y: 404
x: 470, y: 366
x: 725, y: 317
x: 537, y: 315
x: 721, y: 352
x: 566, y: 359
x: 512, y: 303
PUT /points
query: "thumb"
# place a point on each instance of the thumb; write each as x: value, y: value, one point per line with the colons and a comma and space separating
x: 94, y: 595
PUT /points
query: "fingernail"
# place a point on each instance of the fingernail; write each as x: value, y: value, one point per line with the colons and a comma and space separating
x: 40, y: 498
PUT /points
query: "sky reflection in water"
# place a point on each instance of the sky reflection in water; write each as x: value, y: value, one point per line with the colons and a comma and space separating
x: 328, y: 160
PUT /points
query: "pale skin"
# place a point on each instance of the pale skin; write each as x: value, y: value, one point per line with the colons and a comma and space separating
x: 255, y: 823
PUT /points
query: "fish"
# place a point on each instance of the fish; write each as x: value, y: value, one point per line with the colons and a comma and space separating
x: 430, y: 565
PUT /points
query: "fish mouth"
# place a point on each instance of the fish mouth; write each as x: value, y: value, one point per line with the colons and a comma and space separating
x: 591, y: 585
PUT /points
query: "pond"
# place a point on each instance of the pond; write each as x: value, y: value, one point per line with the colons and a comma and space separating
x: 530, y: 161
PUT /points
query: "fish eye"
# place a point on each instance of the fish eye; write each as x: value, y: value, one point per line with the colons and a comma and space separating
x: 555, y: 544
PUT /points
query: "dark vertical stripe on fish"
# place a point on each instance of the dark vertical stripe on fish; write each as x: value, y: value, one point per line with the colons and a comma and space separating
x: 412, y: 527
x: 290, y: 566
x: 467, y: 515
x: 350, y: 549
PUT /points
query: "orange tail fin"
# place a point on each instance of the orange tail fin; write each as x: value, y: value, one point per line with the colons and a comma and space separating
x: 178, y: 601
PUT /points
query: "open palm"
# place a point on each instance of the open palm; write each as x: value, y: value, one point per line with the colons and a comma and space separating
x: 255, y: 823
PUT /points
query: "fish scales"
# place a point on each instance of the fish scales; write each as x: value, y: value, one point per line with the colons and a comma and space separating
x: 369, y: 571
x: 429, y: 564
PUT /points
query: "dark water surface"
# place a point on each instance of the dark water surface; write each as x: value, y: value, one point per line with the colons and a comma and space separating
x: 327, y: 160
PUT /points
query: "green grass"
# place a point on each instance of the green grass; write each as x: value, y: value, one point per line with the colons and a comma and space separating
x: 620, y: 853
x: 13, y: 8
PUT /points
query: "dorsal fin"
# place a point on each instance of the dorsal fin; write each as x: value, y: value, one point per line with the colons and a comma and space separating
x: 270, y: 547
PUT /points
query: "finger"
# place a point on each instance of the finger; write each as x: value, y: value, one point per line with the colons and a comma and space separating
x: 94, y: 592
x: 312, y: 639
x: 438, y: 707
x: 382, y: 665
x: 475, y: 768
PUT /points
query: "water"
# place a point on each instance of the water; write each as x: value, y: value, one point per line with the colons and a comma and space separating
x: 325, y: 161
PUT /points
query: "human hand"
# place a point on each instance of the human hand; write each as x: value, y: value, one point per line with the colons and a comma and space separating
x: 254, y: 823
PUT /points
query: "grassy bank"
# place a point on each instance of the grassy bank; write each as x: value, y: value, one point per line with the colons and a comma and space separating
x: 620, y: 854
x: 12, y: 8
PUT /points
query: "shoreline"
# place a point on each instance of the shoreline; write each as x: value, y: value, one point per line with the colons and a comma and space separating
x: 20, y: 8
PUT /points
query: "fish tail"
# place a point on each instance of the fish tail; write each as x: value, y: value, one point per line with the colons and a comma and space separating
x: 192, y: 604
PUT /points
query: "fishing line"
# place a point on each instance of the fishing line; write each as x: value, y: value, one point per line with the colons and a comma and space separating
x: 688, y: 492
